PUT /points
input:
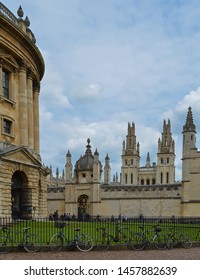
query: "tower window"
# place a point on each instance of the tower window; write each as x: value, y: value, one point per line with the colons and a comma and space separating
x: 5, y: 84
x: 148, y: 182
x: 142, y: 182
x: 126, y: 178
x: 161, y: 177
x: 167, y: 178
x: 131, y: 178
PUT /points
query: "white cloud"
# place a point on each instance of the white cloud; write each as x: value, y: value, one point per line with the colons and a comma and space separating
x: 114, y: 62
x: 87, y: 93
x: 192, y: 99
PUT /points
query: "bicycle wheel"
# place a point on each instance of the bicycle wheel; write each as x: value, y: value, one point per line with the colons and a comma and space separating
x: 124, y: 236
x: 137, y: 242
x: 56, y: 243
x: 169, y: 242
x: 5, y: 244
x: 32, y: 243
x: 185, y: 241
x: 103, y: 244
x: 160, y: 242
x: 84, y: 243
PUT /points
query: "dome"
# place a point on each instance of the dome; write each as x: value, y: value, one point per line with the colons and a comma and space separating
x: 85, y: 162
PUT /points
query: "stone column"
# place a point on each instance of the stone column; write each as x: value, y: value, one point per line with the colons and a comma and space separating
x: 23, y: 109
x: 30, y: 109
x: 1, y: 62
x: 36, y: 89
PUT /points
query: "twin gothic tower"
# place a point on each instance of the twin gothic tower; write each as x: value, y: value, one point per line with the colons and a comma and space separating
x: 150, y: 190
x: 89, y: 169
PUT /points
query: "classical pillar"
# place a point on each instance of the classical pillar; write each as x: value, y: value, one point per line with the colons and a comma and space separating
x: 1, y: 62
x: 23, y: 109
x: 30, y: 109
x: 36, y: 89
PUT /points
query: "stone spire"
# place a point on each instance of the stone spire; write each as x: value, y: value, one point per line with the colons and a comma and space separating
x: 148, y: 160
x: 189, y: 124
x: 107, y: 170
x: 132, y: 148
x: 166, y: 143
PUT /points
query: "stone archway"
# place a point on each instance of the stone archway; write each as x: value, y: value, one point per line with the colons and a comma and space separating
x: 83, y: 206
x: 21, y: 196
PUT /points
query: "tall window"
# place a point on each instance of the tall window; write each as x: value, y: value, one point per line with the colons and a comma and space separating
x: 126, y: 179
x: 161, y: 177
x: 7, y: 126
x: 131, y: 178
x: 5, y: 84
x: 167, y: 178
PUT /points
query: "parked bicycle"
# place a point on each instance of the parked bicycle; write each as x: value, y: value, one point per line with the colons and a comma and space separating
x: 145, y: 238
x: 176, y: 237
x: 29, y: 241
x: 83, y: 242
x: 121, y: 236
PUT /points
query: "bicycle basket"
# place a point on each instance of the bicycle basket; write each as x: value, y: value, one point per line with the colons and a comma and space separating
x: 59, y: 224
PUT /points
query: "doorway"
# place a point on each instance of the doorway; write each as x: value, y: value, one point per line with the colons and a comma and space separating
x: 83, y: 207
x: 20, y: 194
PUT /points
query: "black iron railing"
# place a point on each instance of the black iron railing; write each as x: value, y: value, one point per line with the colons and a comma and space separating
x: 45, y: 227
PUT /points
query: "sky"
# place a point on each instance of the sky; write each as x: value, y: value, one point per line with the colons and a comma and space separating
x: 110, y: 62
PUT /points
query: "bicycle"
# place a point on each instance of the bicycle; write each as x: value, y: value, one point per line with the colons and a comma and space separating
x: 122, y: 236
x: 83, y: 242
x: 140, y: 240
x: 30, y: 242
x: 173, y: 238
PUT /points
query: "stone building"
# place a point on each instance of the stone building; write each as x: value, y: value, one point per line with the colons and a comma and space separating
x: 150, y: 190
x: 23, y: 185
x: 28, y: 189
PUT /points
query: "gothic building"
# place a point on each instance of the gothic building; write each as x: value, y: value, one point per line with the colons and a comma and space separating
x: 150, y: 190
x: 28, y: 189
x: 23, y: 186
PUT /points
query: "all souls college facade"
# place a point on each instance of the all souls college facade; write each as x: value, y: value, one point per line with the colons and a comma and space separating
x: 28, y: 188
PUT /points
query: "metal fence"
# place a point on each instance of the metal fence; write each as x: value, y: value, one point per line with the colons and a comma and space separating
x: 46, y: 227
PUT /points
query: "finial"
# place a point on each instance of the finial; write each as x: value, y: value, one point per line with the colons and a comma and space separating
x: 20, y: 12
x: 189, y: 124
x: 27, y: 21
x: 107, y: 157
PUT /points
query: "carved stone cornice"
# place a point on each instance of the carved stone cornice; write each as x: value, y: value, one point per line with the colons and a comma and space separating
x: 36, y: 86
x: 30, y: 72
x: 22, y: 65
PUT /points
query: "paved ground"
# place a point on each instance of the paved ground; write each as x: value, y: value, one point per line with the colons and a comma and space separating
x: 174, y: 254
